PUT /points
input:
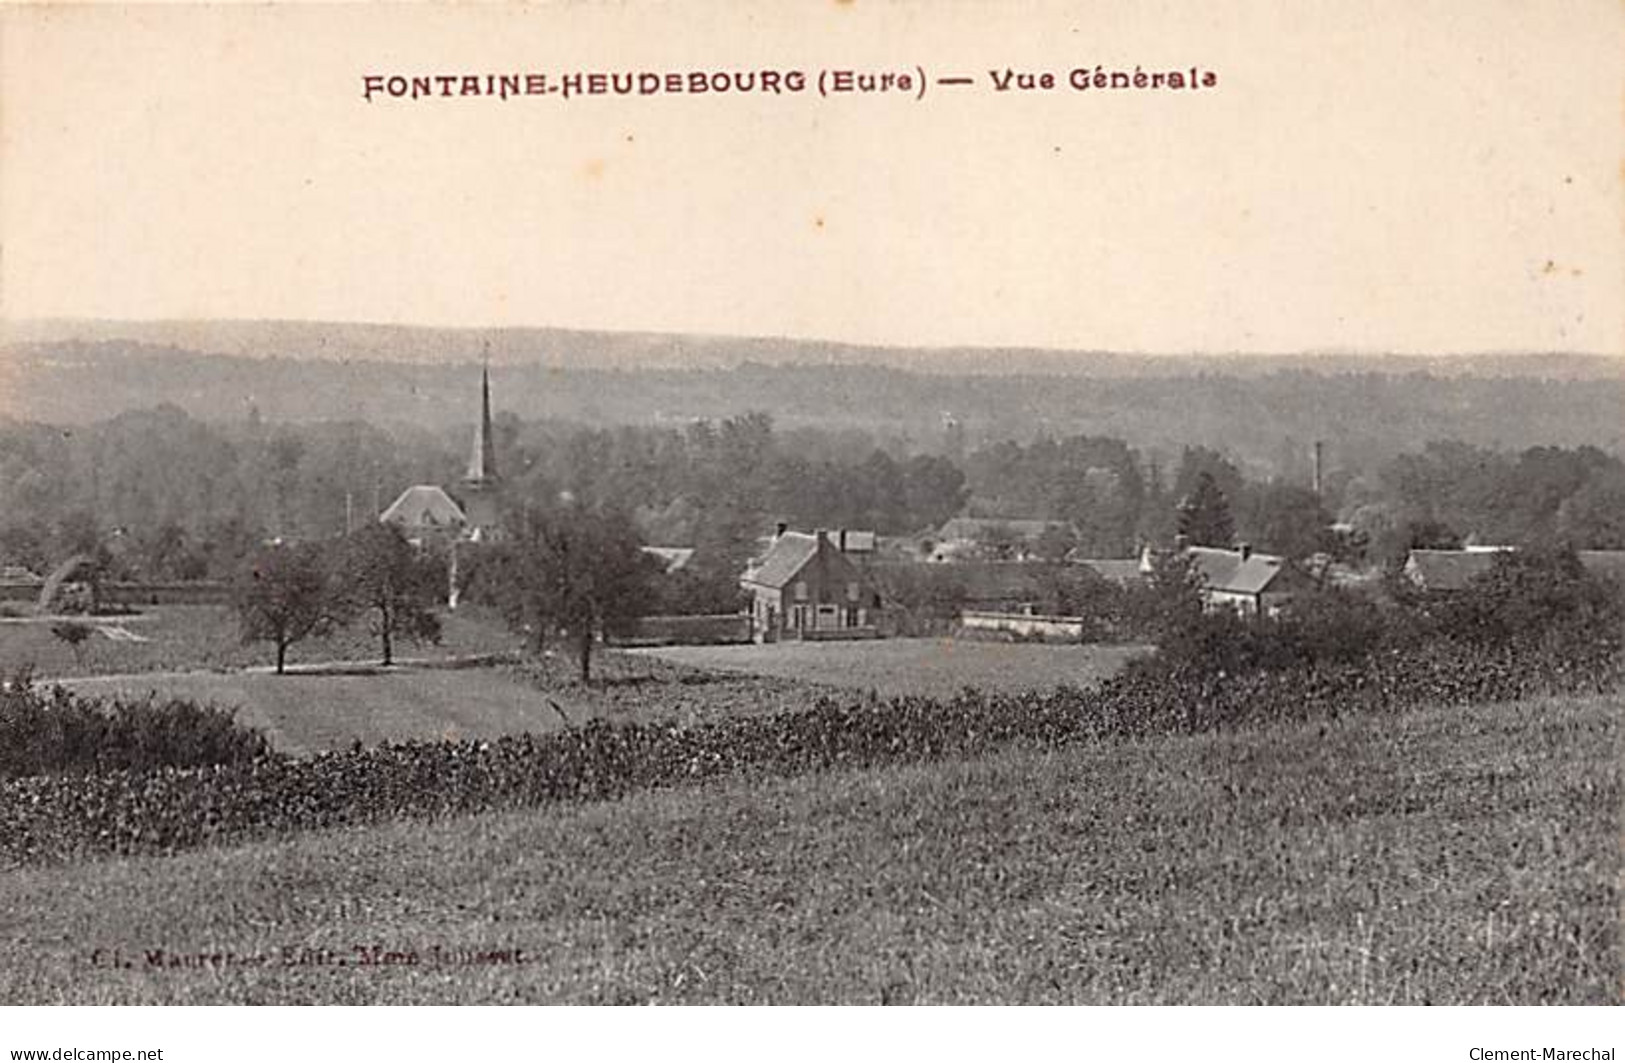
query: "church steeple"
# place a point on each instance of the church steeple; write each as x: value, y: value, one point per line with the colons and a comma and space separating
x: 482, y: 463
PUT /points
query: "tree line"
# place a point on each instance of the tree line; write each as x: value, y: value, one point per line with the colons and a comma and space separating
x: 162, y: 495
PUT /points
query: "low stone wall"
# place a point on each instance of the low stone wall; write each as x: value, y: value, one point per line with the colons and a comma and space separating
x: 1025, y: 625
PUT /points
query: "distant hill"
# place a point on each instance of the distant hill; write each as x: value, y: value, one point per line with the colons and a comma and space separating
x: 1263, y: 411
x: 577, y: 349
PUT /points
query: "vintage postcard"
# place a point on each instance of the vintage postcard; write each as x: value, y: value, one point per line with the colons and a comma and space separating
x: 813, y: 503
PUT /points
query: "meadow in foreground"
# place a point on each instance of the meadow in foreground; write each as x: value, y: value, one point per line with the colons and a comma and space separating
x: 1448, y: 855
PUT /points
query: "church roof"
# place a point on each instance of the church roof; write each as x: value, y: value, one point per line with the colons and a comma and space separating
x: 424, y: 506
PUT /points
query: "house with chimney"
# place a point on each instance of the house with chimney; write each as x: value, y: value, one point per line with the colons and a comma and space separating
x: 805, y: 587
x: 1241, y: 580
x: 1245, y: 581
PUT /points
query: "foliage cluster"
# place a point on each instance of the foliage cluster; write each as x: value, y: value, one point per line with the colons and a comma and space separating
x: 176, y: 498
x: 290, y: 592
x: 57, y: 732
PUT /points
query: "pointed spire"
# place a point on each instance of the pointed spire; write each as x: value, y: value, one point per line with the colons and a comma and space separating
x: 482, y: 463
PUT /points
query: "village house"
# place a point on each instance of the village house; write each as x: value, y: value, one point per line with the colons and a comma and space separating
x: 1241, y: 580
x: 805, y: 587
x: 1247, y: 582
x: 1451, y: 571
x: 1448, y: 571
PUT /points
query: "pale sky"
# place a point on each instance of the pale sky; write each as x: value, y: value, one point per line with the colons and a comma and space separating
x: 1395, y: 175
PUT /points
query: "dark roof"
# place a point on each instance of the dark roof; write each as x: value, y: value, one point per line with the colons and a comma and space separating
x: 788, y: 555
x: 1124, y: 570
x: 1229, y: 572
x: 1448, y: 570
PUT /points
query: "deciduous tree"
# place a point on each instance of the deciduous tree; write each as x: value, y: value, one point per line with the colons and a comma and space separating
x: 579, y: 569
x: 283, y: 596
x: 386, y: 579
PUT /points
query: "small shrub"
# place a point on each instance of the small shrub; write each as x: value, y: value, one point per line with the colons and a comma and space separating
x: 73, y: 634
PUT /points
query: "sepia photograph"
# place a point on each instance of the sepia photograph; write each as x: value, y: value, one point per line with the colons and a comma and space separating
x: 849, y: 503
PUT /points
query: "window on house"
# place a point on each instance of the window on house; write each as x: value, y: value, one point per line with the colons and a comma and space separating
x: 801, y: 590
x: 852, y: 592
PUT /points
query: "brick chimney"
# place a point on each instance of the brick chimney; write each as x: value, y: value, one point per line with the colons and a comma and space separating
x: 1246, y: 550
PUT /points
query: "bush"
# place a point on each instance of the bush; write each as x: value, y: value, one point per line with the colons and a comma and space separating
x: 56, y: 732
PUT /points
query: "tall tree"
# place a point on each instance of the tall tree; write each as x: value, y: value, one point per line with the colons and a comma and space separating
x: 1204, y: 515
x: 579, y: 569
x: 283, y: 596
x: 1286, y: 519
x: 386, y: 579
x: 933, y: 490
x: 1195, y: 461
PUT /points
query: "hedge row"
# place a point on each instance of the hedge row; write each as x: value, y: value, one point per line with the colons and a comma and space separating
x: 55, y: 732
x: 51, y: 818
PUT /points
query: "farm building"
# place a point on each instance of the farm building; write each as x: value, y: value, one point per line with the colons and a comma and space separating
x: 805, y: 587
x: 1247, y: 582
x: 1452, y: 570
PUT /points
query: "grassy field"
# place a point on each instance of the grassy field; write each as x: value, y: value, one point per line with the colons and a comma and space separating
x: 169, y: 638
x: 307, y: 713
x: 1444, y: 856
x: 934, y: 666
